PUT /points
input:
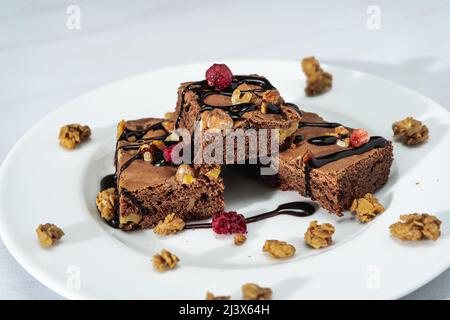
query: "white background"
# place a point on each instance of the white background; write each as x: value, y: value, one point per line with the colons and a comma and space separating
x: 44, y: 64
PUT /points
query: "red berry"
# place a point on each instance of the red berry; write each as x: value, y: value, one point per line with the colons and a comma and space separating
x: 219, y: 76
x: 229, y: 223
x: 359, y: 137
x: 168, y: 153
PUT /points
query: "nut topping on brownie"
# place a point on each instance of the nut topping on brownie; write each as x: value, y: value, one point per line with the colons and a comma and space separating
x: 170, y: 225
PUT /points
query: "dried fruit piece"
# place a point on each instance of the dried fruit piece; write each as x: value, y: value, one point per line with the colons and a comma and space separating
x: 410, y: 131
x: 170, y: 225
x: 214, y: 173
x: 279, y: 249
x: 319, y: 235
x: 121, y: 128
x: 106, y: 202
x: 366, y: 208
x: 218, y: 119
x: 164, y: 261
x: 210, y: 296
x: 251, y: 291
x: 72, y: 134
x: 239, y: 239
x: 185, y: 174
x: 416, y: 226
x: 219, y: 76
x: 229, y: 223
x: 317, y: 80
x: 49, y: 234
x: 239, y: 97
x: 167, y: 153
x: 359, y: 137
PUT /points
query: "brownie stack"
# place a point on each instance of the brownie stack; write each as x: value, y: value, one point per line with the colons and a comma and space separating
x: 151, y: 185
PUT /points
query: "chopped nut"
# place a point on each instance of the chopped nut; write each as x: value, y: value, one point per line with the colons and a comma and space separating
x: 342, y: 131
x: 213, y: 174
x: 410, y: 131
x: 366, y: 208
x: 106, y: 201
x: 72, y: 134
x: 191, y: 204
x: 239, y: 97
x: 210, y: 296
x: 49, y: 234
x: 169, y: 126
x: 219, y: 119
x: 164, y: 261
x: 239, y: 239
x: 319, y: 235
x: 170, y: 115
x: 251, y: 291
x: 185, y: 174
x: 279, y: 249
x: 271, y: 96
x: 170, y: 225
x: 318, y: 81
x: 173, y: 137
x: 285, y: 133
x: 343, y: 143
x: 121, y: 128
x: 416, y: 226
x: 129, y: 220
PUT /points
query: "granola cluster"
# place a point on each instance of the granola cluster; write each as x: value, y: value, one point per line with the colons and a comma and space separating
x: 49, y: 234
x: 170, y: 225
x: 251, y: 291
x: 319, y: 235
x: 416, y: 226
x: 106, y: 202
x: 239, y: 239
x: 72, y: 134
x: 210, y: 296
x: 164, y: 261
x: 366, y: 208
x: 410, y: 131
x: 317, y: 80
x: 279, y: 249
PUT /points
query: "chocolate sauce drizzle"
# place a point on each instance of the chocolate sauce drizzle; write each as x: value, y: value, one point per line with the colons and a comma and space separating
x: 297, y: 209
x: 203, y: 90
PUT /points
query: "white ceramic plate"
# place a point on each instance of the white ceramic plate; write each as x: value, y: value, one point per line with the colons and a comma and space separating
x: 40, y: 182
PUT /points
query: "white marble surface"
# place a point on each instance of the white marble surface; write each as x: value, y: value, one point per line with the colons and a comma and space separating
x: 43, y: 63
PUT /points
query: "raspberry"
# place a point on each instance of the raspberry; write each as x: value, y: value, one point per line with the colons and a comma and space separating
x: 167, y: 153
x: 229, y: 223
x: 219, y: 76
x: 359, y: 137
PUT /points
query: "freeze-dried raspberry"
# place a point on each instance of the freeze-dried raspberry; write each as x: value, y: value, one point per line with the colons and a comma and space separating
x: 229, y: 223
x: 219, y: 76
x: 168, y: 153
x: 359, y: 137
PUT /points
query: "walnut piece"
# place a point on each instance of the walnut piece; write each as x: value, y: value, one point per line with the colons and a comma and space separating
x: 410, y: 131
x: 239, y: 239
x: 366, y: 208
x: 416, y: 226
x: 164, y: 261
x: 279, y: 249
x: 319, y: 235
x: 72, y: 134
x: 251, y: 291
x: 218, y: 119
x: 210, y: 296
x: 317, y: 80
x: 170, y: 225
x: 106, y: 202
x: 49, y: 234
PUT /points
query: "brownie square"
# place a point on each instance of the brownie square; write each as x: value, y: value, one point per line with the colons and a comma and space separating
x: 250, y: 102
x: 330, y: 174
x: 148, y: 187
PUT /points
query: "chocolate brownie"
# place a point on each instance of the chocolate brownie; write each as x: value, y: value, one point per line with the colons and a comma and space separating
x: 150, y: 186
x: 318, y: 167
x: 249, y: 102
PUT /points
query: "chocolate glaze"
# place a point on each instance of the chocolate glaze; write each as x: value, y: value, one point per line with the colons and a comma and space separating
x: 317, y: 162
x: 297, y: 209
x: 203, y: 90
